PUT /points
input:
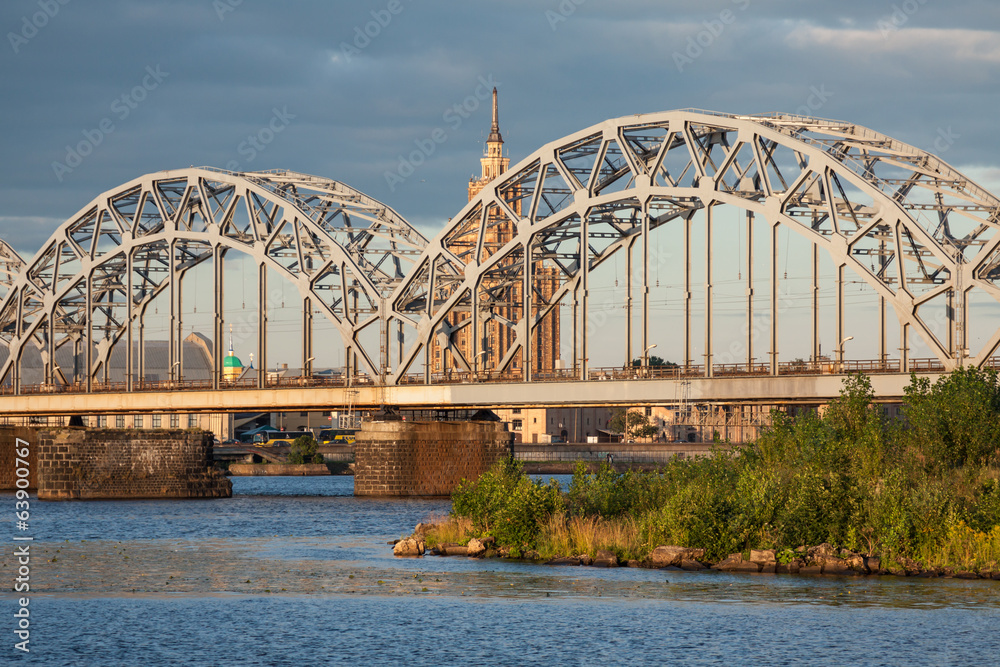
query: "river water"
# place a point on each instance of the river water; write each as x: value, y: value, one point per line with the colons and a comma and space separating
x: 296, y: 571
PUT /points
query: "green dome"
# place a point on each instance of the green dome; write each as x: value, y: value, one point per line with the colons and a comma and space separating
x: 232, y: 361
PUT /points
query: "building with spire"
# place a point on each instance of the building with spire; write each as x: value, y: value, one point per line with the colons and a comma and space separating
x: 232, y: 367
x: 493, y: 162
x: 505, y: 301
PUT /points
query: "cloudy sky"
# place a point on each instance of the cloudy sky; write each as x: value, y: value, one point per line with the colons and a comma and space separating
x: 160, y: 85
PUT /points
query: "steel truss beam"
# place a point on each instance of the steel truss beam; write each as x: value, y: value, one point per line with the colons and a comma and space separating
x: 861, y: 197
x: 94, y: 280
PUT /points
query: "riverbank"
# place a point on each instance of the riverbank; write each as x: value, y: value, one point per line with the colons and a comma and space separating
x: 923, y: 499
x: 822, y: 559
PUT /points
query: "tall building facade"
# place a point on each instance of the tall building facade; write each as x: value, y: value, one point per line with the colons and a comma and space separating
x: 502, y: 298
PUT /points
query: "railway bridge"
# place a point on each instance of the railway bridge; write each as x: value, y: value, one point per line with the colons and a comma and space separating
x: 734, y: 246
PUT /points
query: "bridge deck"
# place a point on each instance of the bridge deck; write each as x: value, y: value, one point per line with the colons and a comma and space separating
x: 765, y: 390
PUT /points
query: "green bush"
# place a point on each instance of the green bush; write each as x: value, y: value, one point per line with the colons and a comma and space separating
x: 304, y: 450
x: 927, y: 486
x: 957, y: 420
x: 506, y: 504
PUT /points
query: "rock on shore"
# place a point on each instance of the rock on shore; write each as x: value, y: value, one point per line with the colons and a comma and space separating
x: 819, y: 559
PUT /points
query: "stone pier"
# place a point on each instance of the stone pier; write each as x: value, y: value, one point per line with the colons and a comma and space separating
x: 396, y: 458
x: 9, y: 435
x: 83, y: 464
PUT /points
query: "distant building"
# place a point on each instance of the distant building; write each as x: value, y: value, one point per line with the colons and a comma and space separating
x: 196, y: 364
x: 501, y: 300
x: 232, y: 367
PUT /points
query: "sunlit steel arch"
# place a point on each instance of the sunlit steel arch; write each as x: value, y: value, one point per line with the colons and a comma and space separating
x: 11, y: 265
x: 343, y: 250
x: 853, y: 192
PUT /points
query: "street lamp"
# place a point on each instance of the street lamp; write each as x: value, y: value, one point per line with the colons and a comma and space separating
x: 840, y: 352
x: 475, y: 362
x: 645, y: 357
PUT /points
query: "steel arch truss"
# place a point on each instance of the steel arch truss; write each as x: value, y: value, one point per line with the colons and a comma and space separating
x: 92, y: 282
x: 909, y: 225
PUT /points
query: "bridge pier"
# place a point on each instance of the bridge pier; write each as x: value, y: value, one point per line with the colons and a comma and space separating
x: 397, y: 458
x: 84, y: 464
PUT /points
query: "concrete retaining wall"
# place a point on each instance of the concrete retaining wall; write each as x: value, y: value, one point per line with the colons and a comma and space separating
x: 622, y: 452
x: 277, y: 469
x: 424, y: 458
x: 82, y: 464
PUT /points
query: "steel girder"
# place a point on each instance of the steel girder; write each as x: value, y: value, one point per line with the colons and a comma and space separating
x: 97, y: 274
x: 910, y: 226
x: 858, y: 195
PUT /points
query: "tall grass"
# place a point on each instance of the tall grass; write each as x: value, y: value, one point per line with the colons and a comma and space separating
x: 924, y: 489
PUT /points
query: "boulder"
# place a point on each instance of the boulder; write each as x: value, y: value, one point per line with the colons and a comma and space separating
x: 854, y: 561
x: 585, y: 559
x: 769, y: 568
x: 488, y: 540
x: 633, y: 563
x: 811, y: 569
x: 408, y: 547
x: 764, y: 557
x: 913, y: 568
x: 996, y: 576
x: 692, y: 565
x: 730, y: 562
x: 820, y: 551
x: 735, y: 563
x: 606, y: 559
x: 834, y: 565
x: 563, y: 560
x: 665, y: 556
x: 747, y: 566
x: 873, y: 563
x: 965, y: 574
x: 454, y: 550
x: 475, y: 548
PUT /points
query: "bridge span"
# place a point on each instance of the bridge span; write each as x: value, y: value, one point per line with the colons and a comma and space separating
x: 743, y: 243
x: 745, y: 390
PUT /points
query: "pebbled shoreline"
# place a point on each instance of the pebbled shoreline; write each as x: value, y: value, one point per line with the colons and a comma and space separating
x: 822, y: 559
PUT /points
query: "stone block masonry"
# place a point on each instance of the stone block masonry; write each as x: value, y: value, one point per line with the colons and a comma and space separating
x: 8, y: 444
x: 425, y: 458
x: 84, y: 464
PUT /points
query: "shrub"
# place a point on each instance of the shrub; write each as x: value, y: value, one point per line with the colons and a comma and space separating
x: 507, y: 505
x: 957, y: 420
x: 927, y: 489
x: 304, y: 450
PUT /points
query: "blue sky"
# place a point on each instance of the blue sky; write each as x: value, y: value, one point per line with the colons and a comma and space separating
x: 160, y: 85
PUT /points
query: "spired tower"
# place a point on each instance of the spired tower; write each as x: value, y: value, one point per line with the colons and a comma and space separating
x: 494, y: 163
x: 503, y: 302
x: 232, y: 367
